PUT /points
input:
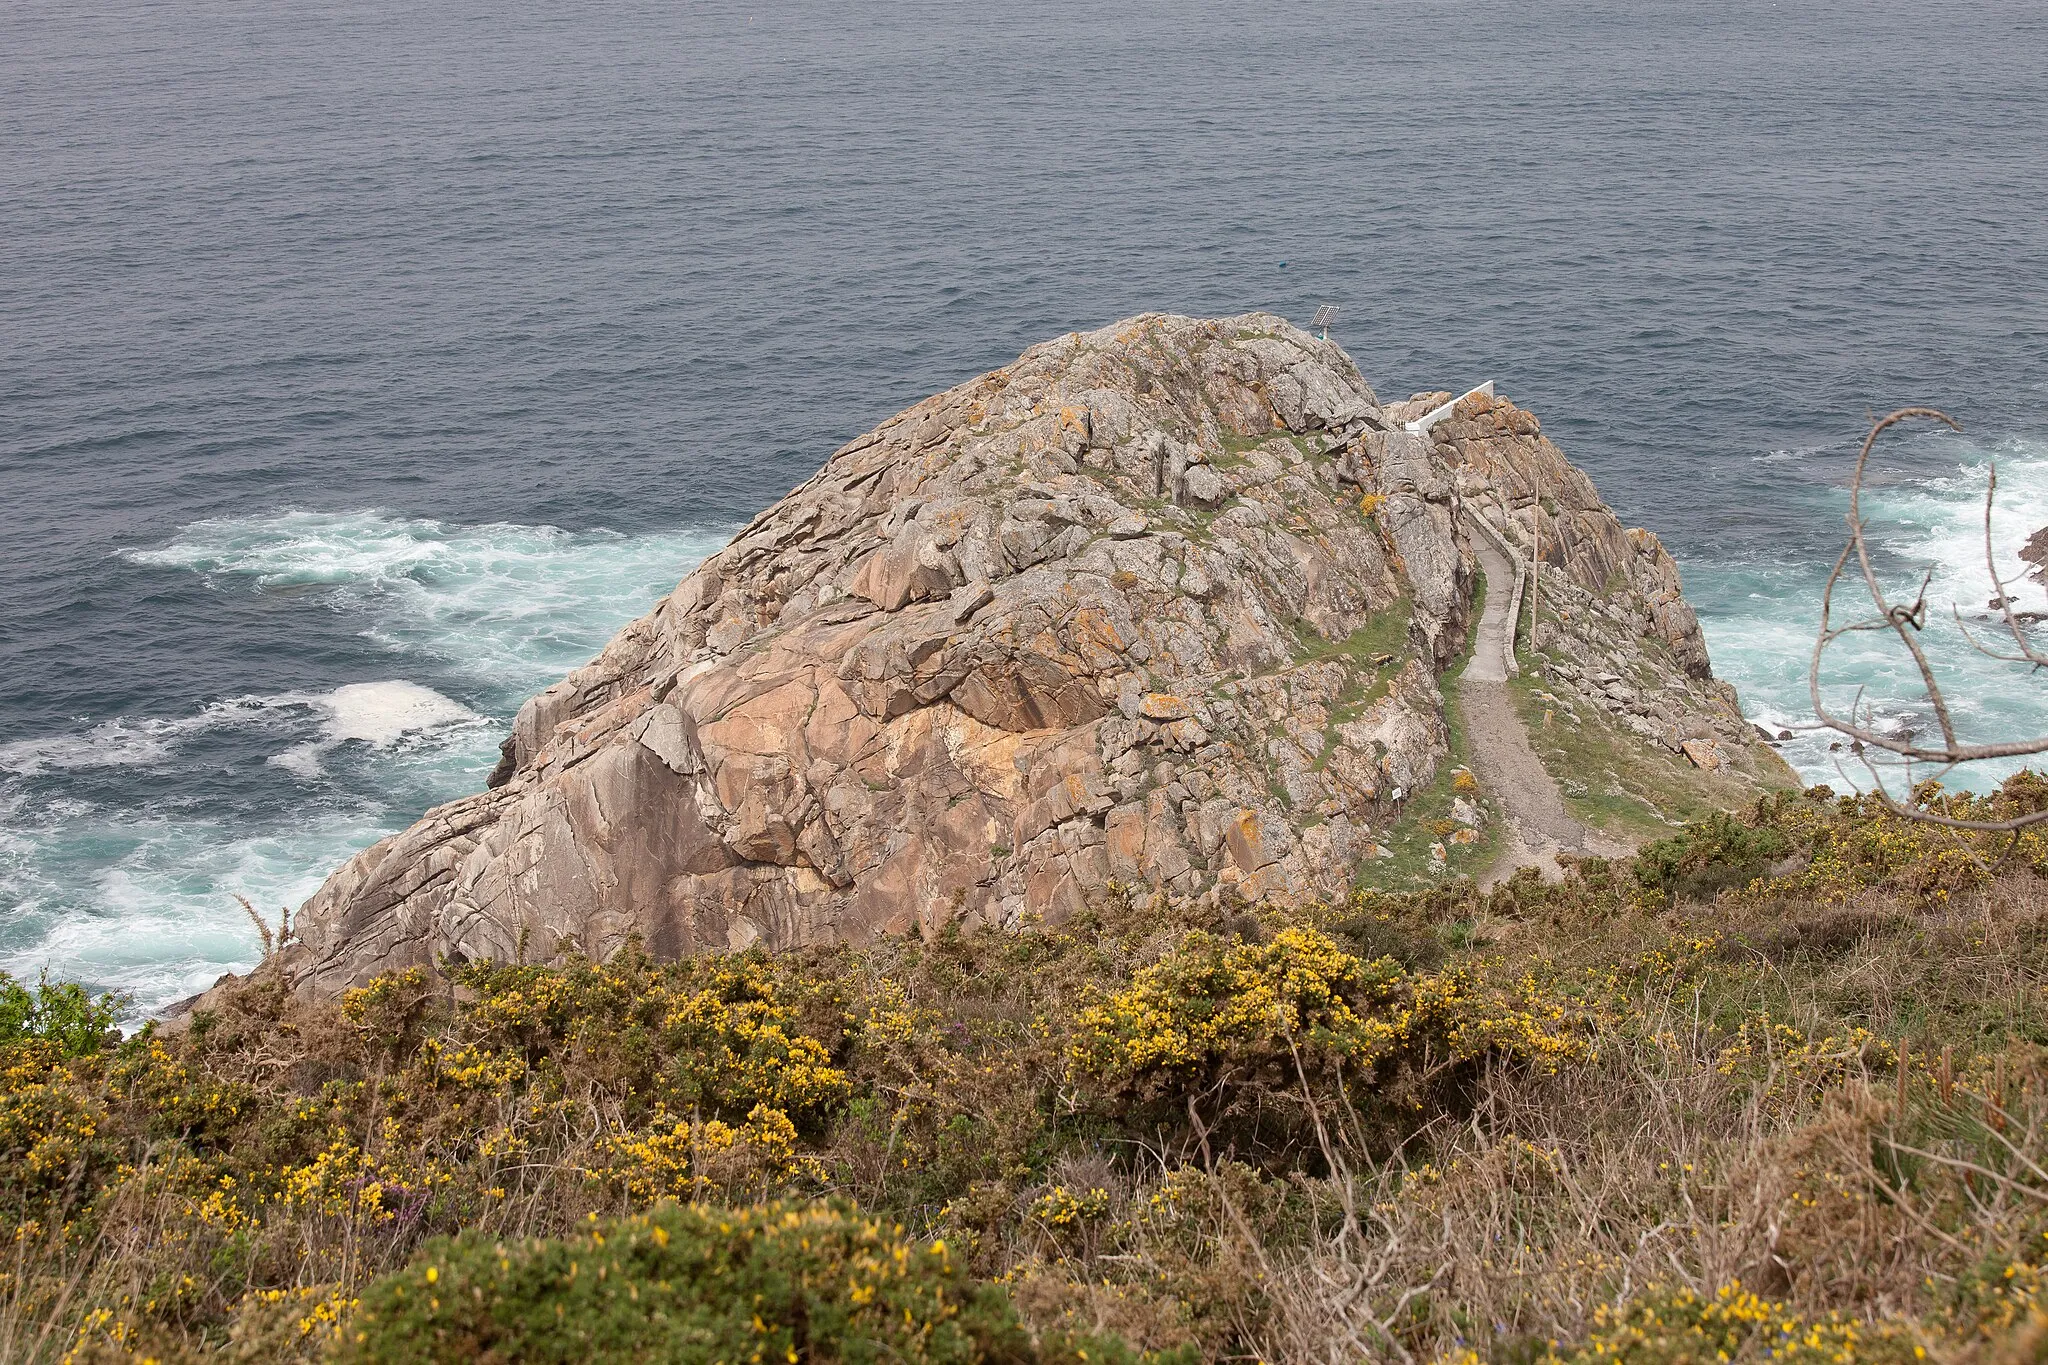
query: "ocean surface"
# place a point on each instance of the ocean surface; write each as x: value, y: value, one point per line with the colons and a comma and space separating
x: 363, y: 366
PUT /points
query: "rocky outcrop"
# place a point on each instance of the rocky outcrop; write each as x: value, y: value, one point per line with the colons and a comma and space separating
x: 1164, y: 603
x: 1610, y: 617
x: 2035, y: 552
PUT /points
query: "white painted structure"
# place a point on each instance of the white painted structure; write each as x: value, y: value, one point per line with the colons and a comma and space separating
x: 1495, y: 542
x: 1421, y: 425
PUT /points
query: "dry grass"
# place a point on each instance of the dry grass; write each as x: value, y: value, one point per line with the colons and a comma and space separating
x: 1526, y: 1126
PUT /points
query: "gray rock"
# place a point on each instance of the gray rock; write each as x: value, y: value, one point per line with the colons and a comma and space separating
x: 1201, y: 486
x: 973, y: 669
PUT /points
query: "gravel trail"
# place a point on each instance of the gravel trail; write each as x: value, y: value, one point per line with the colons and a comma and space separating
x: 1538, y: 827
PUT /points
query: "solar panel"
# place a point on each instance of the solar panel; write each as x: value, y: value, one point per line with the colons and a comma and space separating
x: 1325, y: 315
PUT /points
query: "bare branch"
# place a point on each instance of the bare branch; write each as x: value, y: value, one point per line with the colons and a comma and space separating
x: 1906, y: 622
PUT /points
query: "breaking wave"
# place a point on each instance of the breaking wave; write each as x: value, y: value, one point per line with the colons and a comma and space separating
x: 130, y: 885
x: 1760, y: 618
x: 507, y: 606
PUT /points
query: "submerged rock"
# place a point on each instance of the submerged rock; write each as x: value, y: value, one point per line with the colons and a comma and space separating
x: 1162, y: 603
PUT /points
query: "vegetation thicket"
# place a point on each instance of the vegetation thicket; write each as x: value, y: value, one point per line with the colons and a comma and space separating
x: 1777, y: 1088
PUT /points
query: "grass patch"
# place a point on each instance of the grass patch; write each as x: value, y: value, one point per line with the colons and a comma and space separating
x: 1615, y: 782
x: 1370, y: 656
x: 1383, y: 637
x: 1237, y: 449
x: 1308, y: 448
x: 1384, y: 633
x: 1428, y: 812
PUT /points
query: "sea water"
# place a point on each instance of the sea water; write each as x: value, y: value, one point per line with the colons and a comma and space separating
x: 363, y: 366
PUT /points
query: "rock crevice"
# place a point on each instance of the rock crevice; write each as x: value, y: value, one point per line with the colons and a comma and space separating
x: 1162, y: 603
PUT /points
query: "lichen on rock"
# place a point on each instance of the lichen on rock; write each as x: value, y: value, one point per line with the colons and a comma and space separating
x: 1164, y: 602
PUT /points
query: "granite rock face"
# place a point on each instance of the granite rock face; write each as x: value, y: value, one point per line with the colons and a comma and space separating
x: 1164, y: 603
x: 1609, y: 610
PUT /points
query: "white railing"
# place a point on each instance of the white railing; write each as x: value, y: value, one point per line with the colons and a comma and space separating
x: 1514, y: 557
x: 1421, y: 425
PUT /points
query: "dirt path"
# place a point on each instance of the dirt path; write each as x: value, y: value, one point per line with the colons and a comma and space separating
x: 1538, y: 827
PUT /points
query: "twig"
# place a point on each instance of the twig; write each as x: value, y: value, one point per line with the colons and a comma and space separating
x: 1906, y: 622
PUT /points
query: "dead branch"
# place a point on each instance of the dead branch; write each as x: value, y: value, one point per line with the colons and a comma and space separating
x: 1906, y: 621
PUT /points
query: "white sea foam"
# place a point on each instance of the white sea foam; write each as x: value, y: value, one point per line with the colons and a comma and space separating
x: 143, y: 901
x: 1760, y: 619
x: 156, y: 916
x: 1799, y: 454
x: 1940, y: 524
x: 135, y: 741
x: 512, y: 607
x: 111, y: 744
x: 378, y: 714
x: 382, y: 713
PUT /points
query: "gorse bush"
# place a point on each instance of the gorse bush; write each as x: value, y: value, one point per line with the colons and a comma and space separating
x: 772, y: 1283
x: 1223, y: 1031
x: 1776, y: 1089
x: 1681, y: 1327
x: 1853, y: 844
x: 1709, y: 857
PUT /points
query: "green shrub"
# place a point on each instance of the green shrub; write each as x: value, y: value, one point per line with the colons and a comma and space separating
x: 1128, y: 1124
x: 1708, y: 856
x: 1680, y: 1327
x: 62, y: 1014
x: 777, y: 1282
x: 1254, y: 1031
